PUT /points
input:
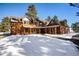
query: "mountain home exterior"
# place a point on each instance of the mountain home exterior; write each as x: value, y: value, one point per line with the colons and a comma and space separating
x: 28, y: 26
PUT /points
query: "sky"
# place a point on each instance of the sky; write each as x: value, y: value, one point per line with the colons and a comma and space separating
x: 62, y: 10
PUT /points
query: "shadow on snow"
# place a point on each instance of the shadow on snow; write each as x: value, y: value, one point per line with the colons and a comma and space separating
x: 37, y: 46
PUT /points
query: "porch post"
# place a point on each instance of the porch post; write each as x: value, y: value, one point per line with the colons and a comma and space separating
x: 39, y: 30
x: 55, y: 30
x: 24, y: 31
x: 30, y: 30
x: 50, y: 30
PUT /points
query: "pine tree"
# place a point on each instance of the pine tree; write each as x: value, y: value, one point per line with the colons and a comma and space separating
x: 32, y: 12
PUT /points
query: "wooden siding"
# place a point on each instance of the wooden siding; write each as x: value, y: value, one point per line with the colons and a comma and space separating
x: 17, y: 28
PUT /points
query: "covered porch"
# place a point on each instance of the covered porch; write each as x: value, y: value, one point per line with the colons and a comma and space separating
x: 42, y: 30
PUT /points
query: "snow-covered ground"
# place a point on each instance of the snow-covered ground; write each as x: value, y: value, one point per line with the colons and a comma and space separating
x: 36, y: 45
x: 68, y: 35
x: 1, y: 33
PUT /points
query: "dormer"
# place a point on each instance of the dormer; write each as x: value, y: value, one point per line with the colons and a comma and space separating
x: 25, y: 21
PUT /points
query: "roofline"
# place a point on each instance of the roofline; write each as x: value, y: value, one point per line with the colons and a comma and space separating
x: 41, y: 26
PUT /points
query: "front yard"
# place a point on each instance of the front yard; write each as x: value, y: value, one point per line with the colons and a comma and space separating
x: 36, y: 45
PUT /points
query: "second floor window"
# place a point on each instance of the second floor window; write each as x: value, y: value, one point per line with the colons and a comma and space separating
x: 24, y: 22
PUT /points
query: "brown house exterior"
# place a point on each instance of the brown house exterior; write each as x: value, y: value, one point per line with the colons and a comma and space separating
x: 23, y: 28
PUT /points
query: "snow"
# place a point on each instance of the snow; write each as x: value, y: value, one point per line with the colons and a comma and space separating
x: 36, y: 45
x: 67, y: 36
x: 1, y: 33
x: 71, y: 30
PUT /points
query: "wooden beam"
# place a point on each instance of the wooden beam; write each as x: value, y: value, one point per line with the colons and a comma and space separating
x: 30, y: 30
x: 50, y: 30
x: 55, y: 30
x: 45, y: 30
x: 39, y: 30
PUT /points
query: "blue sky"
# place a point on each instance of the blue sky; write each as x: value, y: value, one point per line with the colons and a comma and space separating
x: 63, y: 11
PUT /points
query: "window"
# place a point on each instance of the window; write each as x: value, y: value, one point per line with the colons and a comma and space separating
x: 24, y: 22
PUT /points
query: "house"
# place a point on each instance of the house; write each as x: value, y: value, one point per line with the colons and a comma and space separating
x: 26, y: 26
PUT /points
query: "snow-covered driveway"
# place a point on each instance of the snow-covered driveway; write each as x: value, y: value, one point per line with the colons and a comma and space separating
x: 36, y: 45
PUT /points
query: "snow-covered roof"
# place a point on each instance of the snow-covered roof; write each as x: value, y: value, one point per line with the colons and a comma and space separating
x: 41, y: 26
x: 13, y: 20
x: 30, y: 26
x: 25, y: 19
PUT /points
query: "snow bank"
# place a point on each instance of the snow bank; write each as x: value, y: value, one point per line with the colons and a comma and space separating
x: 1, y: 33
x: 36, y: 45
x: 67, y: 36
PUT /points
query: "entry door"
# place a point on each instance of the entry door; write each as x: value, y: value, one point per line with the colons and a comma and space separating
x: 43, y: 31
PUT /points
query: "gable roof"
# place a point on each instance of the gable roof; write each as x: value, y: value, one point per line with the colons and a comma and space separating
x: 14, y: 20
x: 52, y: 22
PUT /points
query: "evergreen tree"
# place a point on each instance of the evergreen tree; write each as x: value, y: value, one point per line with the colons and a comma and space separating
x: 5, y: 24
x: 75, y: 27
x: 32, y: 12
x: 55, y: 20
x: 48, y: 18
x: 75, y: 5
